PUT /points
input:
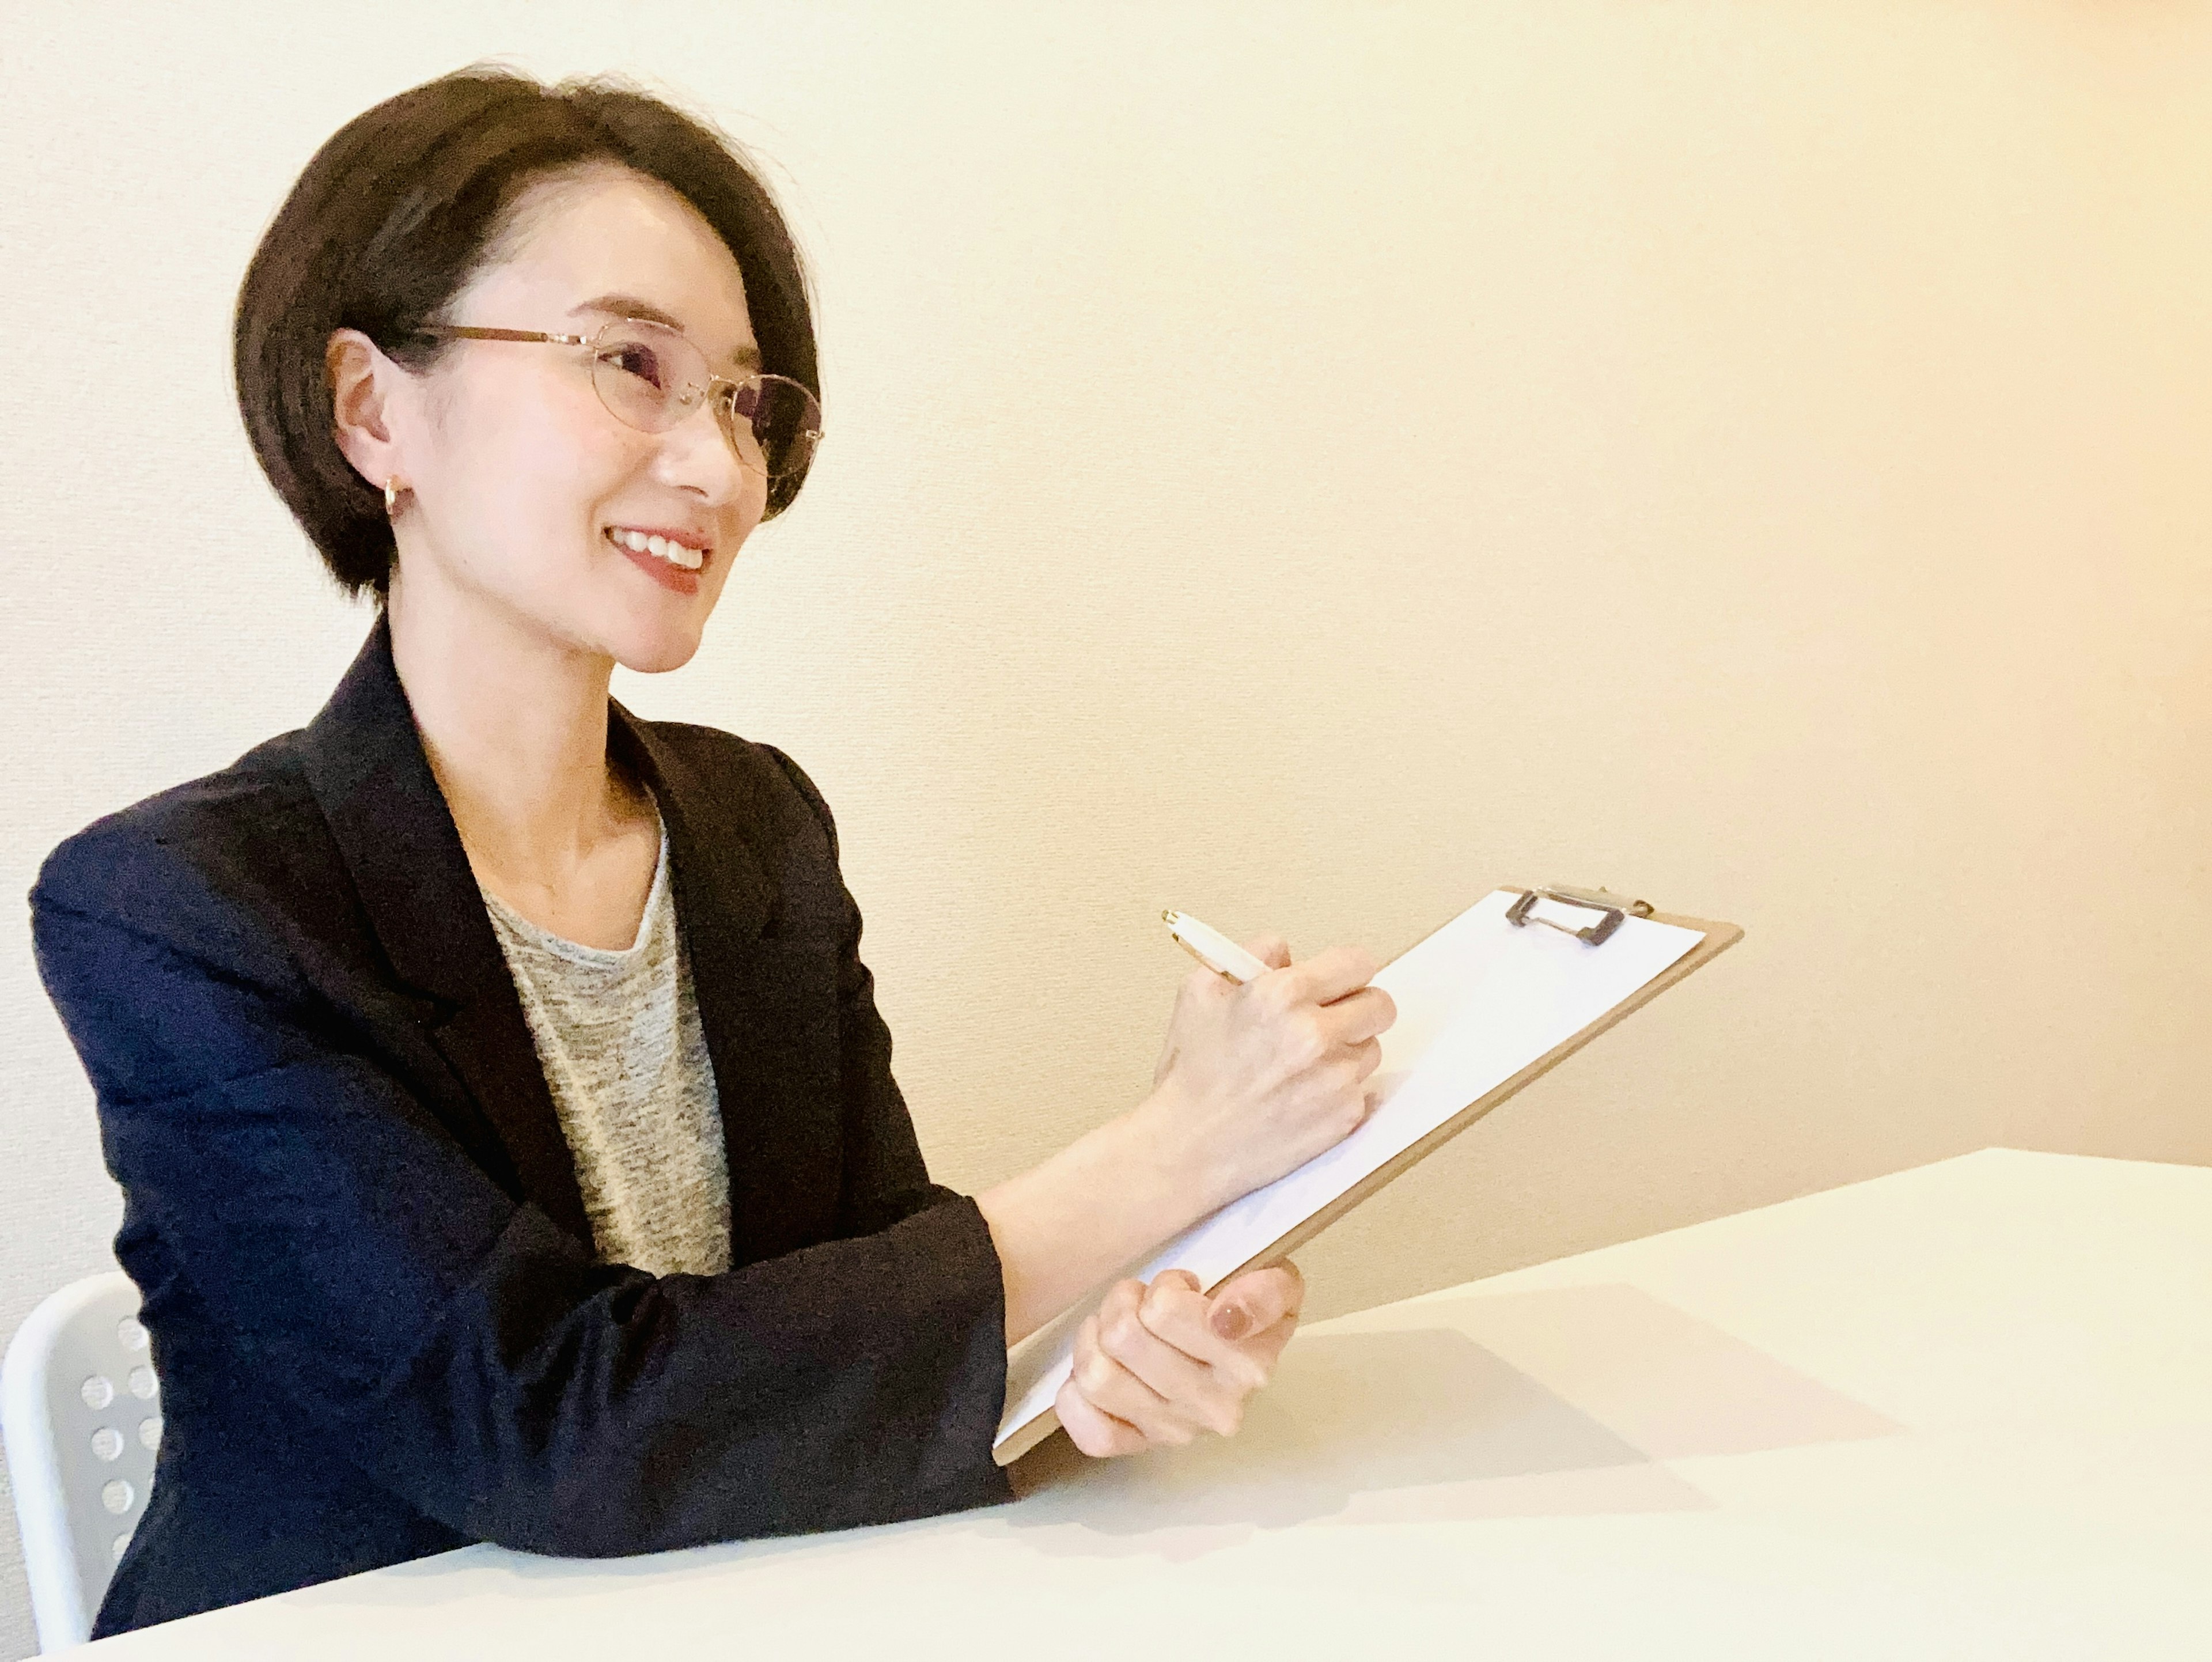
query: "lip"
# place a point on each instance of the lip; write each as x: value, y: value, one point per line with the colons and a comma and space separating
x: 668, y: 576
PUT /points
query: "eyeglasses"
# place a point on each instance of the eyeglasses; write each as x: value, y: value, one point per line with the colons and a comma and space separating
x: 651, y: 377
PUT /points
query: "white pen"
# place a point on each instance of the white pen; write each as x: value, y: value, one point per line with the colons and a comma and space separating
x: 1212, y: 948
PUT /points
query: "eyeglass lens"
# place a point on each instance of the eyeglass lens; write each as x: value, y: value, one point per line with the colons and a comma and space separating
x: 652, y: 377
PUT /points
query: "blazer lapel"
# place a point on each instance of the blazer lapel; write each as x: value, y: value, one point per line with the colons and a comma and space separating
x: 768, y: 1006
x: 366, y: 767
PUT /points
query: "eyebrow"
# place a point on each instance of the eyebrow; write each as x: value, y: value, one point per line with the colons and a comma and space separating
x: 629, y: 306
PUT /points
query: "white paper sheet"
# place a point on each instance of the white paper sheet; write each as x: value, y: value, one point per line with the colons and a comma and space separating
x: 1478, y: 1000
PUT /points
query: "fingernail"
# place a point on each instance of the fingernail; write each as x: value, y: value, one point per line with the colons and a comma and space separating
x: 1231, y: 1321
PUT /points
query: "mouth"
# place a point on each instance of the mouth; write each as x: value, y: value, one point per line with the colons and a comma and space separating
x: 664, y: 559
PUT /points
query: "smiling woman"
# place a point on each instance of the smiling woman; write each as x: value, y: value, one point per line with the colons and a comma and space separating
x: 407, y: 202
x: 506, y: 1130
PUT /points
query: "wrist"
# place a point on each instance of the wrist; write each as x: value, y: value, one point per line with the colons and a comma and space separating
x: 1159, y: 1144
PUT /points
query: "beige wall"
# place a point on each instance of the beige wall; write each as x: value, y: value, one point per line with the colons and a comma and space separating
x: 1303, y: 463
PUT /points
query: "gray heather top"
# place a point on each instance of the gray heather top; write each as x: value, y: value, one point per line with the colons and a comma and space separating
x: 619, y: 1036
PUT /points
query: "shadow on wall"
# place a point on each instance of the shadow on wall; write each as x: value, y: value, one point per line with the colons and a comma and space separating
x: 1545, y: 1404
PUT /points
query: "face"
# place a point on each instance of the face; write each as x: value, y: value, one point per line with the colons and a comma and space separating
x: 525, y: 489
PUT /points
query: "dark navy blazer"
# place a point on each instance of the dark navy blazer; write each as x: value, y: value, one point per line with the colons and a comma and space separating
x: 376, y: 1314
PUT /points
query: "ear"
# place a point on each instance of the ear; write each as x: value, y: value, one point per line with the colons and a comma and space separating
x: 364, y: 387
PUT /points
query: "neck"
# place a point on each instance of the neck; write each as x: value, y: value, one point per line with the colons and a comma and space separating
x: 515, y: 724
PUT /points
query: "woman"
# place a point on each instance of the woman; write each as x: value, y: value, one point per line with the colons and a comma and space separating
x: 507, y: 1136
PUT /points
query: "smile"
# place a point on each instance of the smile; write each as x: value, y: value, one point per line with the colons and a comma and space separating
x: 683, y: 556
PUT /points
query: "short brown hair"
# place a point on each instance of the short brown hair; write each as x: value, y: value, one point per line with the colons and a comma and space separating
x: 397, y: 211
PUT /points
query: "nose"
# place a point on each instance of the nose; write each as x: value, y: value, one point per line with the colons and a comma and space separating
x: 697, y: 454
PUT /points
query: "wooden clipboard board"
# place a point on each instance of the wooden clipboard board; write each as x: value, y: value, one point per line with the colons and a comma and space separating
x: 1718, y: 938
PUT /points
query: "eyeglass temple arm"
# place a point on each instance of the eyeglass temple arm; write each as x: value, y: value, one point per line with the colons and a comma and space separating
x: 470, y: 331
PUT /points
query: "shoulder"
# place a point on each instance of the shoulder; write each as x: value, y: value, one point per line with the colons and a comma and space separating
x: 749, y: 774
x: 187, y: 864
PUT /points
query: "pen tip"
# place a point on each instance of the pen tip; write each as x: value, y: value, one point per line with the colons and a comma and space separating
x: 1168, y: 915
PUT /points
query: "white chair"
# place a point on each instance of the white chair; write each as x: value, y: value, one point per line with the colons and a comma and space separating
x: 82, y: 1414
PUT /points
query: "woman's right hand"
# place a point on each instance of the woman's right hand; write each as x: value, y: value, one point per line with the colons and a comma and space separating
x: 1255, y: 1080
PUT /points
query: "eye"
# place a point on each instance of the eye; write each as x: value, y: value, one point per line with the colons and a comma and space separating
x: 637, y: 358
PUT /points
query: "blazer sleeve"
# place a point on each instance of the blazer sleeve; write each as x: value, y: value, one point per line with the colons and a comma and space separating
x: 463, y: 1350
x: 884, y: 1179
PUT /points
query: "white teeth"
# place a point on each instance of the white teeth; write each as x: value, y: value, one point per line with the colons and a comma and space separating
x: 686, y: 559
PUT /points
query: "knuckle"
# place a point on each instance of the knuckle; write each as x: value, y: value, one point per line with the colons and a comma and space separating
x: 1175, y: 1290
x: 1165, y: 1312
x: 1120, y: 1332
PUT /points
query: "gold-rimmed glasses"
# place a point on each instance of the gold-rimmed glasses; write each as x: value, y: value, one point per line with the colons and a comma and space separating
x: 651, y: 377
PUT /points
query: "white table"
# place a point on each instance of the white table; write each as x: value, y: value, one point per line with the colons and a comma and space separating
x: 1960, y: 1411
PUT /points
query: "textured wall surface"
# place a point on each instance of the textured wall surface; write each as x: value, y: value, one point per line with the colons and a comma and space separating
x: 1304, y: 464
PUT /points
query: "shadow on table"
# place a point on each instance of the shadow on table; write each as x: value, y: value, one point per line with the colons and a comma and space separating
x: 1467, y: 1419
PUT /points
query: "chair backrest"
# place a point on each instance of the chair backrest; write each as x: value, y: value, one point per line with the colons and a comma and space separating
x: 82, y: 1414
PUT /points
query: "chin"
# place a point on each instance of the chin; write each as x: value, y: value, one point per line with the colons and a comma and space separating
x: 655, y: 652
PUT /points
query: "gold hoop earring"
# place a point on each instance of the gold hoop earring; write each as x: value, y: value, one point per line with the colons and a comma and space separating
x: 391, y: 495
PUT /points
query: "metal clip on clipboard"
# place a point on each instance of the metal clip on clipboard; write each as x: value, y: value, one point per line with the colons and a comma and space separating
x: 1611, y: 910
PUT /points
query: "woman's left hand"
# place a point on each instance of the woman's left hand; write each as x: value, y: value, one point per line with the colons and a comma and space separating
x: 1155, y: 1366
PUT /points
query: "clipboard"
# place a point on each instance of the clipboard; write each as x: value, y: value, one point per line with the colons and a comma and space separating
x: 1514, y: 938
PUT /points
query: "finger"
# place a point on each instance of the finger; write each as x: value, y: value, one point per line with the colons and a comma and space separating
x: 1265, y: 1347
x: 1091, y: 1428
x: 1256, y: 1301
x: 1362, y: 1059
x: 1113, y: 1387
x: 1328, y: 976
x: 1357, y: 1017
x: 1175, y: 1313
x: 1188, y: 1385
x: 1239, y: 1369
x: 1270, y: 950
x: 1113, y: 1390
